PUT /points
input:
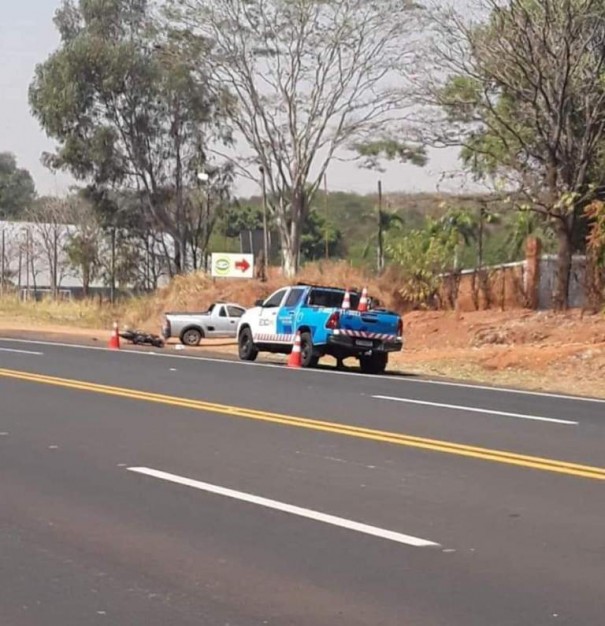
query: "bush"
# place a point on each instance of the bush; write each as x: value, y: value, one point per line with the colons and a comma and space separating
x: 422, y: 257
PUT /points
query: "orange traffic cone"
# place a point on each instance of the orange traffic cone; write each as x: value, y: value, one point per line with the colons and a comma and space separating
x: 114, y: 340
x: 363, y: 301
x: 295, y: 359
x: 346, y: 301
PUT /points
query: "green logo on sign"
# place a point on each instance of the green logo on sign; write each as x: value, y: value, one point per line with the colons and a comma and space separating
x: 222, y: 266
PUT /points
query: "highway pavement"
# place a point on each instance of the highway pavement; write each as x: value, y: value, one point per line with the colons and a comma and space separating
x: 151, y: 488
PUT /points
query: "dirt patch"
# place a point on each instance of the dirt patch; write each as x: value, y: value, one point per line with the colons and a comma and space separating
x: 541, y: 351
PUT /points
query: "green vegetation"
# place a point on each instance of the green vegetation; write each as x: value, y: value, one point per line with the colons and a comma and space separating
x: 17, y: 190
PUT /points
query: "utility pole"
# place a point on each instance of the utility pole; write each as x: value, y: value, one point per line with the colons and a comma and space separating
x: 2, y: 262
x: 112, y: 295
x: 203, y: 178
x: 265, y: 232
x: 27, y: 255
x: 55, y: 262
x: 207, y: 230
x: 380, y: 255
x: 482, y: 216
x: 326, y: 215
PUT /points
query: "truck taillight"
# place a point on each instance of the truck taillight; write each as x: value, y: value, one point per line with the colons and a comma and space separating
x: 166, y: 327
x: 400, y: 327
x: 333, y: 321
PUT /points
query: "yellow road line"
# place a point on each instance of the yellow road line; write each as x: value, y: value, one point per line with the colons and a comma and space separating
x: 487, y: 454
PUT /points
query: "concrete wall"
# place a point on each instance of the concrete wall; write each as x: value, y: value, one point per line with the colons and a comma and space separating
x: 526, y: 284
x: 548, y: 276
x: 501, y: 287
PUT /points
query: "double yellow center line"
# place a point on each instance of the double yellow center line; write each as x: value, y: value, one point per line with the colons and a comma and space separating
x: 486, y: 454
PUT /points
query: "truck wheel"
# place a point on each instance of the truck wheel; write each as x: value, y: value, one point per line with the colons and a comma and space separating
x: 247, y: 349
x: 308, y: 357
x: 192, y: 337
x: 374, y: 363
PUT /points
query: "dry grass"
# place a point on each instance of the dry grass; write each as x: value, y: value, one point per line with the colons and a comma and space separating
x: 74, y: 313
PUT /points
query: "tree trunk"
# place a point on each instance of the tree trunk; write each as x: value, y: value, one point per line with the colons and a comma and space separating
x: 564, y: 254
x: 291, y: 253
x: 290, y: 235
x: 289, y: 260
x: 85, y: 280
x: 180, y: 252
x: 380, y: 250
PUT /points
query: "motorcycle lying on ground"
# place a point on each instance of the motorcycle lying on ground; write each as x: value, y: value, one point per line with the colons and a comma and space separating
x: 141, y: 338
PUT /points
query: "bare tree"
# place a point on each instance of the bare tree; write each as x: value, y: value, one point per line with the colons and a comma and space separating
x: 82, y: 245
x: 310, y: 78
x: 49, y: 219
x: 521, y: 89
x: 9, y: 252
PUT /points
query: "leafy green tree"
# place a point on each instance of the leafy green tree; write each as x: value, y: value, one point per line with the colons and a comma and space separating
x: 17, y: 189
x: 133, y: 112
x: 239, y: 217
x: 320, y: 239
x: 525, y: 98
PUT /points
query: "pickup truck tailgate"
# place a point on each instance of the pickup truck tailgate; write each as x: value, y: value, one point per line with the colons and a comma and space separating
x: 380, y: 322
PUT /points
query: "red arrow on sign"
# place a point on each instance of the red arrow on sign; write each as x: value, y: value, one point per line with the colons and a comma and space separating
x: 242, y: 265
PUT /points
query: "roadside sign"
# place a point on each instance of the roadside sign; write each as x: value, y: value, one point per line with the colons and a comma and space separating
x: 228, y: 265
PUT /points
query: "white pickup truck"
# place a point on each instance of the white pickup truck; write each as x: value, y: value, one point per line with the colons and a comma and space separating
x: 220, y: 320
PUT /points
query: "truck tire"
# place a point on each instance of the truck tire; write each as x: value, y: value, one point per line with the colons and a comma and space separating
x: 246, y: 348
x: 191, y: 337
x: 308, y: 357
x: 374, y: 363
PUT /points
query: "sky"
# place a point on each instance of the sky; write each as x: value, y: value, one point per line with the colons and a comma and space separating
x: 28, y: 36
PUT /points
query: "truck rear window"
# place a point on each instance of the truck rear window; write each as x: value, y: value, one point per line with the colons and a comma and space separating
x: 329, y: 298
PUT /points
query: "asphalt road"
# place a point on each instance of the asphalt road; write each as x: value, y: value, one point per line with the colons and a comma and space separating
x: 152, y: 489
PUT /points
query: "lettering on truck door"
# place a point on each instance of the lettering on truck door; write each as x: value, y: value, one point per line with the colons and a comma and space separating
x: 286, y: 324
x: 267, y: 321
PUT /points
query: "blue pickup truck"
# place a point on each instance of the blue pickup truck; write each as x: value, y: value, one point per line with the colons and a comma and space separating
x: 325, y: 328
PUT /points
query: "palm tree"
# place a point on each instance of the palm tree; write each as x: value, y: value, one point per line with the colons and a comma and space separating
x: 458, y: 223
x: 388, y: 222
x: 525, y: 223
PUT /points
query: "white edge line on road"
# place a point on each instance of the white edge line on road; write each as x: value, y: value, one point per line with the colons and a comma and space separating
x: 472, y: 409
x: 393, y: 379
x: 21, y: 351
x: 288, y: 508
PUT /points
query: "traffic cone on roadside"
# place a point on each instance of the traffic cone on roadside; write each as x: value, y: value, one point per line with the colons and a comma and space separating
x: 295, y: 358
x: 346, y: 301
x: 363, y: 301
x: 114, y: 340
